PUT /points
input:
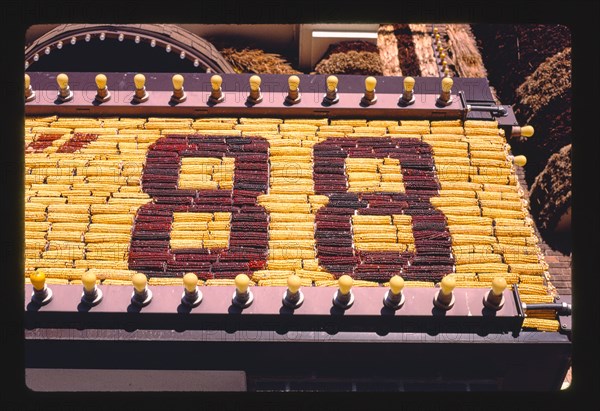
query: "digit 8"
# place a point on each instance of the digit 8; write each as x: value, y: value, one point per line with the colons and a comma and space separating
x: 431, y: 259
x: 247, y: 250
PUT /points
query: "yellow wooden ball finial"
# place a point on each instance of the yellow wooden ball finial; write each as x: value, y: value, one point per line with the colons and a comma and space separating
x: 101, y: 81
x: 255, y: 82
x: 396, y: 284
x: 63, y: 80
x: 27, y: 81
x: 89, y: 281
x: 447, y: 285
x: 498, y: 285
x: 190, y: 282
x: 139, y: 281
x: 345, y: 283
x: 527, y: 131
x: 370, y: 83
x: 332, y: 83
x: 216, y: 81
x: 177, y: 81
x: 447, y: 84
x: 139, y: 80
x: 520, y: 160
x: 242, y: 281
x: 293, y: 82
x: 38, y: 280
x: 293, y: 283
x: 409, y: 83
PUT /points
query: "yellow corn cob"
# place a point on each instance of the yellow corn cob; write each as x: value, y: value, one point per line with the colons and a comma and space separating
x: 264, y: 120
x: 283, y: 282
x: 531, y: 279
x: 158, y: 281
x: 293, y: 220
x: 538, y: 268
x: 68, y: 218
x: 460, y: 186
x: 449, y: 152
x: 112, y: 274
x: 68, y: 208
x: 286, y: 254
x: 35, y: 216
x: 50, y: 263
x: 463, y: 277
x: 223, y: 281
x: 112, y: 218
x: 527, y: 222
x: 291, y: 235
x: 518, y: 258
x: 536, y: 298
x: 468, y: 220
x: 427, y: 284
x: 498, y: 196
x: 117, y: 282
x: 292, y: 244
x: 371, y: 219
x: 381, y: 246
x: 382, y: 123
x: 107, y: 237
x: 470, y: 284
x: 472, y: 248
x: 357, y: 283
x: 502, y: 213
x: 374, y: 229
x: 477, y: 258
x: 460, y: 210
x: 513, y: 231
x: 503, y: 248
x: 489, y: 179
x: 220, y: 119
x: 109, y: 228
x: 75, y: 236
x: 286, y: 207
x: 102, y: 264
x: 486, y: 162
x: 348, y: 122
x: 487, y: 278
x: 484, y: 267
x: 37, y: 225
x: 314, y: 275
x: 456, y: 169
x: 519, y: 241
x: 500, y: 188
x: 502, y: 204
x: 65, y: 245
x: 212, y: 125
x: 538, y: 289
x: 481, y: 124
x: 446, y: 123
x: 63, y: 254
x: 33, y: 243
x: 481, y: 131
x: 35, y: 234
x: 284, y: 264
x: 541, y: 324
x: 380, y: 131
x: 271, y: 274
x: 453, y: 202
x: 312, y: 265
x: 471, y: 229
x: 374, y: 238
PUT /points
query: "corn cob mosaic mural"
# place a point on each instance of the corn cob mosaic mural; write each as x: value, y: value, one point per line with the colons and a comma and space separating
x: 272, y: 197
